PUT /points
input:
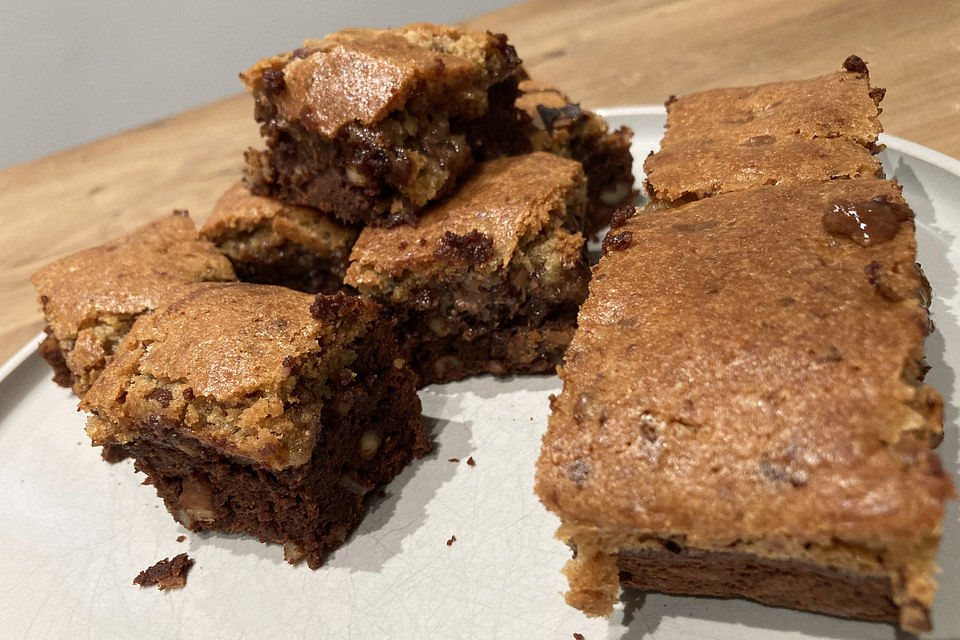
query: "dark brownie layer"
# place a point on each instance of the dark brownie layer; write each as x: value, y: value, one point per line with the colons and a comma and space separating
x: 51, y: 351
x: 370, y: 431
x: 781, y: 583
x: 293, y: 266
x: 523, y: 349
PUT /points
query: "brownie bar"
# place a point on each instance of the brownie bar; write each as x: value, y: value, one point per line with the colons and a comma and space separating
x: 261, y: 410
x: 91, y: 298
x: 270, y: 242
x: 370, y: 125
x: 555, y: 124
x: 784, y: 133
x: 744, y: 395
x: 489, y: 280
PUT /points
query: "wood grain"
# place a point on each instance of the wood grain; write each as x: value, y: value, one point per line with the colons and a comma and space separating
x: 603, y: 53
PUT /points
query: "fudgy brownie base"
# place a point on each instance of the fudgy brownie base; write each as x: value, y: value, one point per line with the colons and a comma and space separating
x: 50, y: 351
x: 503, y: 351
x: 370, y: 431
x: 296, y: 268
x: 780, y: 583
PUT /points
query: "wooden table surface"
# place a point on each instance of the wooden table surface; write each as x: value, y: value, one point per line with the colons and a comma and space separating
x: 602, y: 53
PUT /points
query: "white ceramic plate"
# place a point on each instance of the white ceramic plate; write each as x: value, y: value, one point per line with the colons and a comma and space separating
x: 74, y: 531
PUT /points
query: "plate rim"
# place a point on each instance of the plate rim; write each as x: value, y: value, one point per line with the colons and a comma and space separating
x: 913, y: 149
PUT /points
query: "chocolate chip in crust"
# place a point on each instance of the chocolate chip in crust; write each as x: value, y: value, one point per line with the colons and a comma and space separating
x: 273, y: 82
x: 855, y: 64
x: 474, y: 247
x: 616, y: 242
x: 161, y: 395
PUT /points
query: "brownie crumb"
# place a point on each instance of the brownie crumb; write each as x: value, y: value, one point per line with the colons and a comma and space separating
x: 161, y: 395
x: 454, y: 460
x: 181, y: 538
x: 451, y: 541
x: 855, y: 64
x: 471, y: 461
x: 473, y: 247
x: 112, y: 453
x: 166, y: 574
x: 578, y: 636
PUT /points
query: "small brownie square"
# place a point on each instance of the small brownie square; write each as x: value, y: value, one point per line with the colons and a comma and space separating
x: 372, y: 124
x: 490, y: 279
x: 784, y: 133
x: 553, y: 123
x: 262, y: 410
x: 270, y: 242
x: 91, y: 298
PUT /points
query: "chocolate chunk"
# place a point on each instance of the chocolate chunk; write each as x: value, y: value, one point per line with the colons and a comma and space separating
x: 189, y: 395
x: 579, y: 471
x: 181, y: 538
x: 302, y: 52
x: 758, y: 141
x: 451, y: 541
x: 670, y: 100
x: 553, y: 117
x: 577, y: 636
x: 166, y: 574
x: 161, y: 395
x: 328, y: 308
x: 868, y: 222
x: 621, y: 215
x: 855, y: 64
x: 454, y: 460
x: 473, y: 248
x: 877, y: 94
x: 273, y: 82
x: 616, y: 242
x: 471, y: 462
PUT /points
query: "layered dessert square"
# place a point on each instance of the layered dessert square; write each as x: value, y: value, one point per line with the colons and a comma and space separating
x: 261, y: 410
x: 553, y: 123
x: 91, y: 298
x: 270, y: 242
x: 372, y: 124
x: 784, y: 133
x: 743, y: 411
x: 490, y: 279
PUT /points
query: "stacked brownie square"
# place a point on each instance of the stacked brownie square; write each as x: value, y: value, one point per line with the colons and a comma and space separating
x: 395, y: 142
x: 239, y: 367
x: 743, y: 411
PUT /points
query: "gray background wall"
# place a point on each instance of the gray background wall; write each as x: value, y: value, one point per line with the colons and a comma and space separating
x: 72, y: 71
